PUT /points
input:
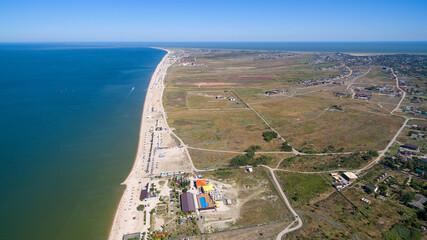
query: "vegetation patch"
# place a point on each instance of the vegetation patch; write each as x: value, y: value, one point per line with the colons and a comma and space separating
x: 301, y: 188
x: 268, y: 136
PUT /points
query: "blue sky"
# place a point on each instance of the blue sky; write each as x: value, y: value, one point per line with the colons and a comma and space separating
x: 212, y: 20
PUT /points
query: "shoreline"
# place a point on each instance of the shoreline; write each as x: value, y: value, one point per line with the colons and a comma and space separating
x: 144, y: 110
x: 115, y: 227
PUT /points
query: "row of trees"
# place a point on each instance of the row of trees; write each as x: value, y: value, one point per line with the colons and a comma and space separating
x: 249, y: 158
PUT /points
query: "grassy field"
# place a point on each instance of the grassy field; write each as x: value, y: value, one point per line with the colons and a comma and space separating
x: 301, y: 114
x: 221, y: 130
x: 308, y: 123
x: 210, y: 160
x: 302, y: 188
x: 325, y: 163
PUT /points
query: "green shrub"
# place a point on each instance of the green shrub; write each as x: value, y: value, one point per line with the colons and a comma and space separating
x: 140, y: 207
x: 286, y: 147
x: 268, y: 136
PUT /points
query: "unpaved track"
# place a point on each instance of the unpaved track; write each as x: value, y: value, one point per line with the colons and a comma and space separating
x: 297, y: 220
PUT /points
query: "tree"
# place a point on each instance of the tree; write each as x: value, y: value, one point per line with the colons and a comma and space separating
x: 411, y: 165
x: 382, y: 188
x: 263, y: 160
x: 268, y: 136
x: 407, y: 197
x: 286, y: 147
x: 140, y: 207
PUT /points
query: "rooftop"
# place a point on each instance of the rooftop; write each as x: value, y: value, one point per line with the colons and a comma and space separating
x: 187, y: 202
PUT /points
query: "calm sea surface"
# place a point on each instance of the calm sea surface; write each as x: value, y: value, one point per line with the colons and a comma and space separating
x: 69, y: 126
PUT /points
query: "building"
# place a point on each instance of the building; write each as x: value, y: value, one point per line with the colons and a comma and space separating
x: 207, y: 188
x: 144, y: 192
x: 200, y: 183
x: 350, y: 176
x: 372, y: 187
x: 216, y: 195
x: 411, y: 147
x: 187, y: 202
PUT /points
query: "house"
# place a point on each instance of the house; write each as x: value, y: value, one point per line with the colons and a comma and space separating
x: 200, y: 183
x: 411, y: 147
x: 187, y: 202
x: 207, y: 188
x: 418, y: 201
x: 144, y: 192
x: 372, y: 187
x: 350, y: 176
x: 250, y: 170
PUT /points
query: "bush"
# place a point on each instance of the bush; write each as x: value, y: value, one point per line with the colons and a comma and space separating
x: 268, y: 136
x: 286, y: 147
x: 248, y: 158
x: 263, y: 160
x: 373, y: 153
x: 140, y: 207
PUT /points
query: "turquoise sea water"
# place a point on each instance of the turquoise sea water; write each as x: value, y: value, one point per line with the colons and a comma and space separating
x: 69, y: 124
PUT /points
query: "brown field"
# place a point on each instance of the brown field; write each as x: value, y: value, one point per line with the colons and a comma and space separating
x: 307, y: 123
x: 210, y: 160
x: 302, y: 115
x: 221, y: 130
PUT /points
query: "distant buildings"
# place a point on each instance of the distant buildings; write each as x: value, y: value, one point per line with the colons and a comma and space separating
x: 273, y: 92
x: 193, y: 64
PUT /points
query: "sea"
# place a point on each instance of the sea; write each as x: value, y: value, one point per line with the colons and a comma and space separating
x: 70, y: 116
x: 69, y: 128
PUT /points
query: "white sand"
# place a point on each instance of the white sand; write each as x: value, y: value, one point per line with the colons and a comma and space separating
x: 175, y: 159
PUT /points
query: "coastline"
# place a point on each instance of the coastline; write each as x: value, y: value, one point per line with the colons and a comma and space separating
x: 115, y: 229
x: 145, y: 110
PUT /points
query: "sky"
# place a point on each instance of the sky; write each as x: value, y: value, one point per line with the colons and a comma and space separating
x: 212, y: 20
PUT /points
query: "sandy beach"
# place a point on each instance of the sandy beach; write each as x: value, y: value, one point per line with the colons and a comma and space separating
x: 157, y: 153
